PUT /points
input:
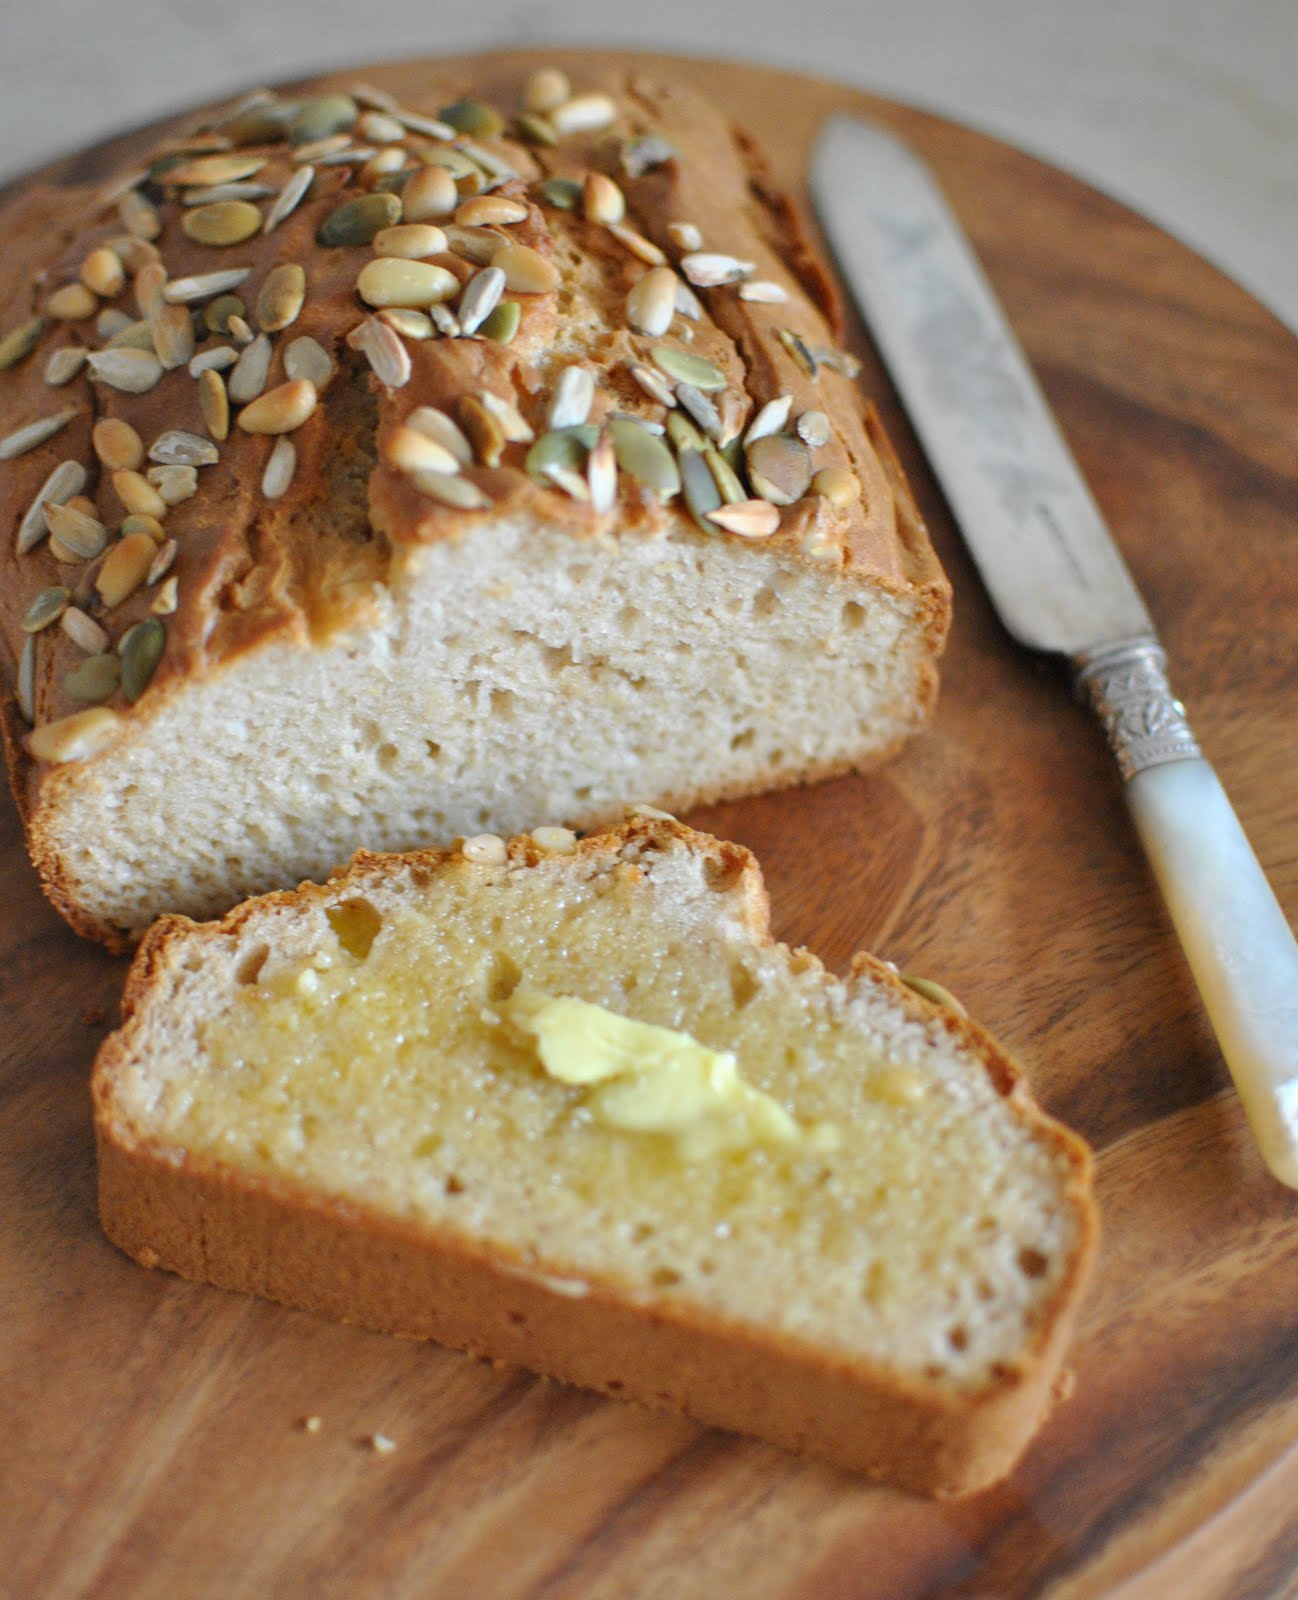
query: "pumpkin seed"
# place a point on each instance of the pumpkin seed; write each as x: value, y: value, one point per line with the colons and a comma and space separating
x: 644, y: 457
x: 225, y: 223
x: 390, y: 281
x: 798, y: 350
x: 763, y: 292
x: 320, y: 118
x: 380, y: 128
x: 584, y: 113
x: 26, y: 688
x: 436, y: 425
x: 289, y: 198
x: 450, y: 490
x: 329, y: 151
x: 94, y: 679
x: 382, y: 164
x: 84, y: 631
x: 417, y: 325
x: 482, y: 429
x: 248, y: 378
x: 429, y: 192
x: 131, y: 371
x: 281, y: 296
x: 262, y: 123
x: 455, y: 162
x: 76, y: 737
x: 102, y: 273
x: 307, y: 358
x: 409, y: 450
x: 139, y: 522
x: 730, y: 489
x: 565, y: 448
x: 183, y: 291
x: 66, y: 480
x: 478, y: 245
x: 72, y: 303
x: 281, y: 464
x: 534, y: 129
x: 685, y: 368
x: 501, y: 324
x: 137, y: 494
x: 22, y: 440
x: 574, y: 394
x: 125, y: 568
x: 173, y: 484
x: 111, y: 321
x: 770, y: 419
x: 141, y: 650
x: 171, y: 332
x: 698, y: 487
x: 388, y: 358
x: 601, y: 199
x: 700, y: 408
x: 545, y: 88
x: 779, y: 468
x: 214, y: 403
x: 490, y: 211
x: 48, y: 606
x: 651, y: 304
x: 683, y: 434
x: 709, y: 268
x: 563, y: 193
x: 19, y: 342
x: 751, y: 519
x: 685, y: 236
x: 280, y: 410
x: 411, y: 241
x: 176, y: 448
x: 356, y: 221
x: 640, y: 247
x: 137, y: 335
x: 814, y: 429
x: 495, y: 166
x: 473, y: 117
x: 526, y: 270
x: 224, y: 167
x: 164, y: 602
x: 837, y: 485
x: 217, y: 313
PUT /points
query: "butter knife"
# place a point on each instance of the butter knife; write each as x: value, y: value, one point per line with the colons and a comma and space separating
x: 1060, y: 585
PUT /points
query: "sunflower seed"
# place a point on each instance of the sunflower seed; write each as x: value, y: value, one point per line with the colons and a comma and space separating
x: 572, y: 483
x: 95, y: 679
x: 814, y: 429
x: 798, y: 350
x: 481, y: 296
x: 482, y: 428
x: 488, y: 161
x: 321, y: 117
x: 509, y: 417
x: 22, y: 440
x: 283, y: 409
x: 763, y: 292
x: 708, y: 268
x: 574, y: 394
x: 136, y: 336
x: 687, y: 302
x: 836, y: 360
x: 388, y: 358
x: 48, y: 606
x: 601, y: 474
x: 217, y: 359
x: 248, y: 378
x: 205, y: 285
x: 640, y: 247
x: 770, y: 419
x: 698, y: 488
x: 139, y: 216
x: 546, y: 88
x: 490, y: 211
x: 685, y: 368
x: 654, y: 384
x: 72, y: 303
x: 837, y: 485
x: 124, y: 568
x: 565, y: 194
x: 238, y: 329
x: 685, y: 236
x: 701, y: 409
x: 140, y: 522
x: 66, y: 480
x: 356, y: 221
x: 281, y: 464
x: 473, y: 117
x: 436, y: 425
x: 444, y: 320
x: 602, y: 200
x: 430, y: 127
x: 171, y: 329
x: 102, y: 272
x: 164, y: 602
x: 751, y: 519
x: 651, y: 304
x: 64, y: 364
x: 176, y: 448
x: 83, y: 630
x: 326, y: 151
x: 380, y: 128
x: 642, y: 155
x: 429, y: 193
x: 779, y: 468
x: 214, y: 403
x: 584, y: 113
x: 526, y: 270
x: 225, y: 223
x: 390, y: 281
x: 19, y: 342
x: 416, y: 325
x: 76, y: 737
x: 174, y: 484
x: 141, y: 649
x: 26, y: 686
x: 683, y: 434
x: 227, y: 191
x: 457, y: 164
x: 307, y: 358
x: 162, y: 561
x: 643, y: 456
x: 410, y: 241
x: 111, y: 321
x: 410, y: 450
x: 149, y: 287
x: 138, y: 496
x: 289, y: 198
x: 501, y: 324
x: 478, y: 245
x: 723, y: 474
x: 451, y: 490
x: 281, y: 296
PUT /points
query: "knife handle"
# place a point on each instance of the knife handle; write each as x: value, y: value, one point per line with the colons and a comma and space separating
x: 1240, y: 948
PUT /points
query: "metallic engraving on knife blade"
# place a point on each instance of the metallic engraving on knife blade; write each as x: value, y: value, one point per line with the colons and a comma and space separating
x: 1129, y: 692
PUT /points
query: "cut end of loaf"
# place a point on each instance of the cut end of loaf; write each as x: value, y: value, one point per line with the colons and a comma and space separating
x: 325, y: 1078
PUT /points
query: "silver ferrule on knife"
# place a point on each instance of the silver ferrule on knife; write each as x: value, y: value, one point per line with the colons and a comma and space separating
x: 1059, y: 584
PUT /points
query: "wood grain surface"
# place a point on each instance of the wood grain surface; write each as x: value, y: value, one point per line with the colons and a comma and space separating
x: 150, y: 1437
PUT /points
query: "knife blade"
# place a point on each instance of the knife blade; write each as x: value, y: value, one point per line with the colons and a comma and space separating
x: 1059, y: 584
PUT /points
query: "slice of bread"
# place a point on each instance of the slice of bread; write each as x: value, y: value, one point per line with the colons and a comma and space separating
x: 870, y: 1248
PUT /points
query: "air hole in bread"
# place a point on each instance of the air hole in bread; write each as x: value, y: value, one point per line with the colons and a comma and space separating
x: 721, y: 873
x: 741, y: 741
x: 502, y: 703
x: 958, y: 1338
x: 386, y: 756
x: 250, y: 964
x: 453, y: 1184
x: 356, y: 924
x: 743, y: 985
x: 765, y: 602
x: 853, y: 615
x: 664, y: 1277
x: 641, y: 1232
x: 630, y: 617
x: 503, y: 977
x: 1032, y: 1264
x: 433, y: 748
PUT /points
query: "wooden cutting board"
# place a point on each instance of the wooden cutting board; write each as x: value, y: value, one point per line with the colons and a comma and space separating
x: 150, y: 1438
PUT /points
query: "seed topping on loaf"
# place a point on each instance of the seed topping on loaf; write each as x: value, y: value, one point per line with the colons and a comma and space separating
x: 452, y: 270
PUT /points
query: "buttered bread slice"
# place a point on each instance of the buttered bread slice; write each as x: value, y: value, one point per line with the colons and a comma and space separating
x: 565, y: 1104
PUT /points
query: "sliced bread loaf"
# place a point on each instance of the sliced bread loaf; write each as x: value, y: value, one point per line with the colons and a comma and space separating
x: 565, y: 1104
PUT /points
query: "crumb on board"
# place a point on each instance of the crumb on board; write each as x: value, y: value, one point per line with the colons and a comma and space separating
x: 381, y: 1444
x: 312, y: 1424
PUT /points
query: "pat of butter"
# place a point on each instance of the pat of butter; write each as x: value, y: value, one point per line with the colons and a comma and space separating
x: 648, y: 1079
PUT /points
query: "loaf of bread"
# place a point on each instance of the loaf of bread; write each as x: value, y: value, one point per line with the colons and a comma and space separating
x: 376, y: 472
x: 566, y: 1104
